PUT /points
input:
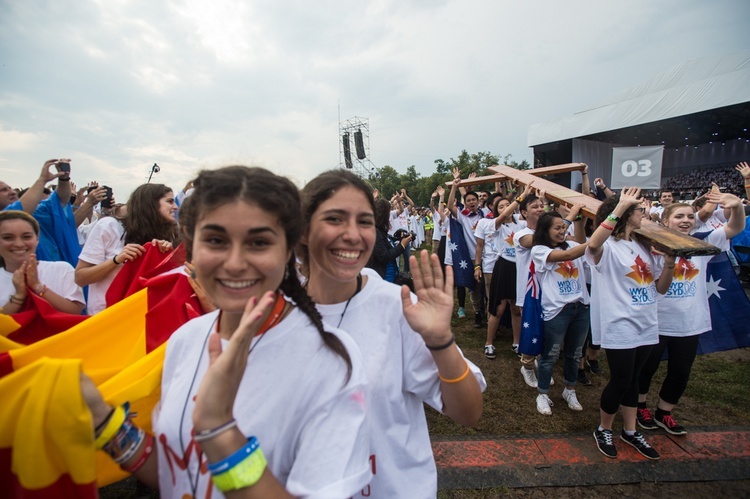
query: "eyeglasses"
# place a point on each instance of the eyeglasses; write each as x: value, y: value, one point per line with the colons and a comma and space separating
x: 642, y: 210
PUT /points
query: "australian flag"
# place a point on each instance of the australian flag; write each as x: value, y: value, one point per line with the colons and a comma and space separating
x: 463, y: 262
x: 729, y: 305
x: 532, y: 320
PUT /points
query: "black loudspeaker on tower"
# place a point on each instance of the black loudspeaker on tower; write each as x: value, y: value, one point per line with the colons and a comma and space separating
x: 347, y: 150
x: 359, y: 145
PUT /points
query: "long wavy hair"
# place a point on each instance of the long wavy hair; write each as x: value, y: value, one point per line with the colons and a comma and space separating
x: 261, y: 188
x: 606, y: 208
x: 143, y: 221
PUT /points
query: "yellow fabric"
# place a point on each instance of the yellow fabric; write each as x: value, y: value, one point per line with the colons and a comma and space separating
x: 140, y: 384
x: 44, y: 418
x: 110, y: 348
x: 107, y: 342
x: 7, y: 324
x: 7, y: 345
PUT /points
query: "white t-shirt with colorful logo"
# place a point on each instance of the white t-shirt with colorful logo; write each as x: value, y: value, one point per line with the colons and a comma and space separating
x: 523, y: 262
x: 683, y: 310
x: 623, y: 295
x: 562, y: 282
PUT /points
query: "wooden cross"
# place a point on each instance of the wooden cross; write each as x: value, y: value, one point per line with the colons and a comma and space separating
x: 667, y: 240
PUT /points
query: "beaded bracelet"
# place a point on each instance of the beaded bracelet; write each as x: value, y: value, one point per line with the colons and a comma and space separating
x: 456, y: 380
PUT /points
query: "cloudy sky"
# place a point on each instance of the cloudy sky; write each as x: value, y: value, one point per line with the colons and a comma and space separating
x: 118, y: 85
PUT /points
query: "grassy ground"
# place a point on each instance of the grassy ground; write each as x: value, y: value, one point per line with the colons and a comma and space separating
x: 714, y: 395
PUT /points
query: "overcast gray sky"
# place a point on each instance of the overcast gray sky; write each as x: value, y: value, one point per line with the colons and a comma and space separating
x: 120, y: 84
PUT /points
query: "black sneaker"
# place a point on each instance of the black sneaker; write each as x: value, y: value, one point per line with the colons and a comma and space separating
x: 593, y: 366
x: 645, y: 420
x: 670, y: 425
x: 604, y: 443
x: 583, y: 378
x: 639, y: 443
x: 477, y: 320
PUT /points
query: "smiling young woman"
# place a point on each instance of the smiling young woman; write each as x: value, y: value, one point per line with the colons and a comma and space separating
x: 407, y: 345
x: 683, y: 314
x: 262, y: 370
x: 21, y: 273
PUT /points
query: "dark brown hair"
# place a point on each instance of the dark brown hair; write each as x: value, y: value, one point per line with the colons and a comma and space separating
x: 264, y: 189
x: 143, y: 222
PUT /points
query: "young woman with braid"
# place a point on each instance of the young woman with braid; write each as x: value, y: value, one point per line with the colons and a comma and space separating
x: 625, y: 278
x: 408, y: 348
x: 683, y: 313
x: 272, y: 400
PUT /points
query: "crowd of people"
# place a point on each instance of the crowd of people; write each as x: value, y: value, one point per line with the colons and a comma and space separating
x: 307, y: 349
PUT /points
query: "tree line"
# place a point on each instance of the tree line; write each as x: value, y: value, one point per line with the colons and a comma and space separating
x: 388, y: 181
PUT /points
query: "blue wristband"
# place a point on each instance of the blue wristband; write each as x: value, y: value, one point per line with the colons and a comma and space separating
x: 230, y: 462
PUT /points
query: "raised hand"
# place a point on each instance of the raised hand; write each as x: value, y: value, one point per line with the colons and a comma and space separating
x: 630, y: 196
x: 744, y: 170
x: 214, y: 402
x: 456, y: 173
x: 725, y: 200
x: 440, y: 190
x: 431, y: 315
x: 32, y: 275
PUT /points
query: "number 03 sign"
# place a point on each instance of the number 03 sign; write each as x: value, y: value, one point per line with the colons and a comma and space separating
x: 636, y: 167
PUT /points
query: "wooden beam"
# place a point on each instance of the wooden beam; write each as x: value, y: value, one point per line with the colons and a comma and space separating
x: 663, y: 239
x: 547, y: 170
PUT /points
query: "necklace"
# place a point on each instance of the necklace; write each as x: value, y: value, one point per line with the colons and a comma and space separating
x: 359, y: 288
x: 272, y: 320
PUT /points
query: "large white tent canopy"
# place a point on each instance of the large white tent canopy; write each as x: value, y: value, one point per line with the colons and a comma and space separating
x: 691, y: 87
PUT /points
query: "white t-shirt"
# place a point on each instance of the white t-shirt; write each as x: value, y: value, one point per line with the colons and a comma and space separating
x: 310, y: 422
x: 523, y: 262
x: 57, y: 276
x: 716, y: 220
x: 683, y: 310
x: 403, y: 376
x: 105, y: 241
x: 562, y: 282
x: 399, y: 221
x: 469, y: 221
x: 441, y: 228
x: 507, y: 230
x: 623, y: 295
x: 486, y: 232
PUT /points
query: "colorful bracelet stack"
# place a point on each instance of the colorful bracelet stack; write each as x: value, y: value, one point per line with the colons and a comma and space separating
x: 242, y: 469
x: 121, y: 439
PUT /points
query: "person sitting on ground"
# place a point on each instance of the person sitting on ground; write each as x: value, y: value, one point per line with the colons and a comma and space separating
x: 21, y: 273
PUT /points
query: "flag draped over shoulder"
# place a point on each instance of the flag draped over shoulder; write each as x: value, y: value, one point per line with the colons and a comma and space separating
x: 531, y: 341
x: 463, y: 262
x: 121, y: 349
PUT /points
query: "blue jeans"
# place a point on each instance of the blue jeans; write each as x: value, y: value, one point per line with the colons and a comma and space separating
x: 567, y: 330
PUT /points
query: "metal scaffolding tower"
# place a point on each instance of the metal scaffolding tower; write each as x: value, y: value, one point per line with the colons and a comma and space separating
x: 356, y: 131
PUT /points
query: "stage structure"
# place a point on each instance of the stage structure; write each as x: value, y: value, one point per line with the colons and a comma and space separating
x: 354, y: 147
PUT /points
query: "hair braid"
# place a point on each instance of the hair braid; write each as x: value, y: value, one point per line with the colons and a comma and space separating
x: 294, y: 290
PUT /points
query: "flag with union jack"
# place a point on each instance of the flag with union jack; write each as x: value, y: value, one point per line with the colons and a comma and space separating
x: 532, y: 319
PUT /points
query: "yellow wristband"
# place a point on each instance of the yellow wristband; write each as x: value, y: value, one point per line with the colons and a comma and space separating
x: 109, y: 431
x: 245, y: 474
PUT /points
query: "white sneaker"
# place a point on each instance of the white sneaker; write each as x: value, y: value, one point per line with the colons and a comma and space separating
x: 544, y: 404
x: 529, y: 376
x: 571, y: 399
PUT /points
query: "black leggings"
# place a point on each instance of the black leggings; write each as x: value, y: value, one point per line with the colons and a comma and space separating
x: 681, y: 356
x: 624, y: 370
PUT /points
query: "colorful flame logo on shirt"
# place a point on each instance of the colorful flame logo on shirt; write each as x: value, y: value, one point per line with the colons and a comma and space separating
x: 509, y: 239
x: 567, y: 269
x: 684, y: 270
x: 641, y: 272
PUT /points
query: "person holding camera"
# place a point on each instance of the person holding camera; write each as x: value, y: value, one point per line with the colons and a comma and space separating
x: 58, y: 239
x: 385, y: 253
